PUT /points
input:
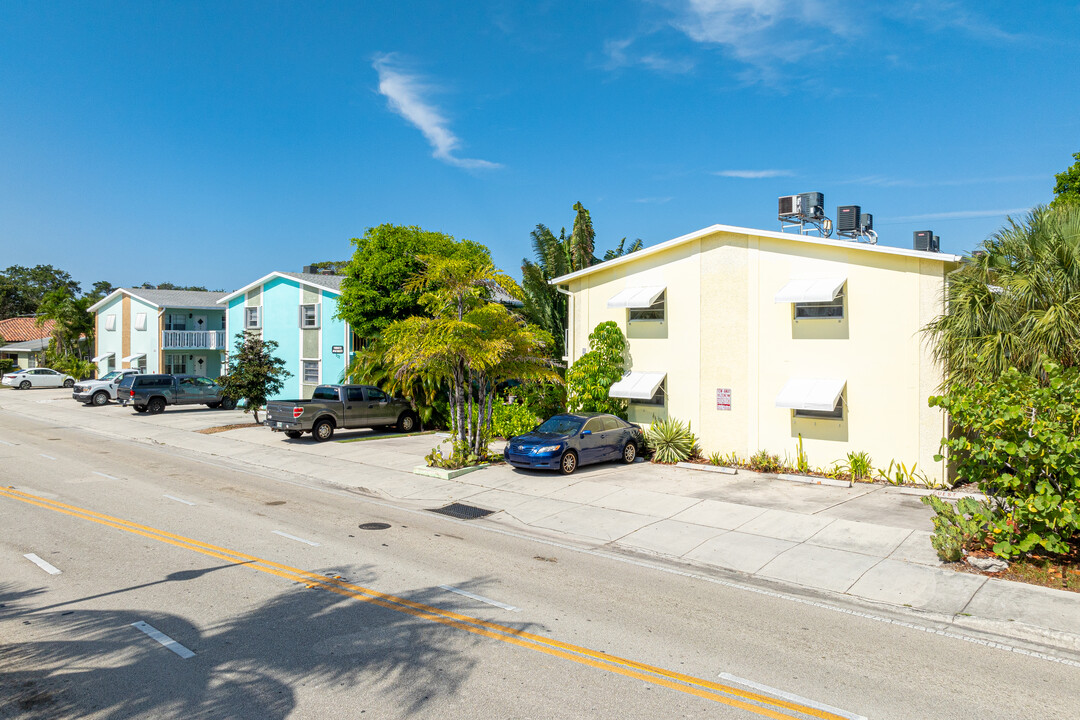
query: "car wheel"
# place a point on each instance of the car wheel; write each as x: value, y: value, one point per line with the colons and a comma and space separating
x: 323, y: 430
x: 69, y: 383
x: 228, y: 404
x: 629, y: 453
x: 407, y: 422
x: 214, y: 405
x: 139, y: 408
x: 100, y: 398
x: 156, y: 405
x: 24, y: 385
x: 293, y: 434
x: 568, y: 463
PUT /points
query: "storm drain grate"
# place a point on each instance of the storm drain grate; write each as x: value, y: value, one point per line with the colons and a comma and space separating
x: 462, y: 512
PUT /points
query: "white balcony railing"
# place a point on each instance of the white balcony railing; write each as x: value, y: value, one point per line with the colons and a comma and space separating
x: 193, y: 340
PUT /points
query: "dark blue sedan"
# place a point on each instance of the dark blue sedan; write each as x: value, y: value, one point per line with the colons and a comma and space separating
x: 563, y: 442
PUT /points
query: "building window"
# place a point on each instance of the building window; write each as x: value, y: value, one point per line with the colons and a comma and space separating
x: 653, y: 313
x: 110, y: 322
x: 253, y: 318
x: 837, y: 413
x: 657, y: 400
x: 175, y: 321
x: 829, y: 309
x: 309, y: 316
x: 175, y: 364
x: 140, y: 321
x: 311, y: 372
x: 222, y: 321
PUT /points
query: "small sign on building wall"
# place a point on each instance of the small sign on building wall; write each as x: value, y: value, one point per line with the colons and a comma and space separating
x: 337, y: 349
x: 723, y: 399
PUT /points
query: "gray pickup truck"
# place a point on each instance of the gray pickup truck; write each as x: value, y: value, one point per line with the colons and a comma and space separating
x: 344, y: 407
x: 151, y: 393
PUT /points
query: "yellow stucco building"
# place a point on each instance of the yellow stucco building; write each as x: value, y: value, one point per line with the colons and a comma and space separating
x: 758, y: 337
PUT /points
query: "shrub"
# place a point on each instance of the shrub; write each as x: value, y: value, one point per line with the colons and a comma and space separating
x: 542, y: 399
x: 510, y: 419
x: 591, y: 376
x: 899, y: 473
x: 6, y: 365
x: 859, y: 465
x: 716, y: 459
x: 801, y: 463
x: 1018, y: 439
x: 766, y: 462
x: 670, y: 441
x: 955, y: 528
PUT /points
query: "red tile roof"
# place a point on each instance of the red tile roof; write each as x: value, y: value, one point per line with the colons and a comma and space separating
x: 21, y: 329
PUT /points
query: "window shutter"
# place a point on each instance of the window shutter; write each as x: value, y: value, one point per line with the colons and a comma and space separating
x: 258, y: 314
x: 318, y: 315
x: 140, y: 321
x: 301, y: 316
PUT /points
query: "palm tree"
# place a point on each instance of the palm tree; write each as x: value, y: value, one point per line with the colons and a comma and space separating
x: 1015, y: 302
x: 544, y: 304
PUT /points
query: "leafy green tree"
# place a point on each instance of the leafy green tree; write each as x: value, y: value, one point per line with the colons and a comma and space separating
x: 1015, y: 302
x: 619, y: 252
x: 336, y: 267
x: 100, y: 289
x: 590, y: 378
x: 72, y: 320
x: 1018, y: 439
x: 582, y: 239
x: 22, y: 289
x: 465, y: 341
x: 544, y: 304
x: 373, y: 293
x: 1067, y: 185
x: 171, y: 286
x: 255, y: 373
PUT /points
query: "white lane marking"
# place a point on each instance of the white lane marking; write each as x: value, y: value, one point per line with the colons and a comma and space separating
x: 51, y: 569
x: 481, y: 598
x: 104, y: 475
x: 186, y: 502
x: 4, y: 442
x: 163, y: 639
x: 790, y: 696
x: 293, y: 537
x: 47, y: 457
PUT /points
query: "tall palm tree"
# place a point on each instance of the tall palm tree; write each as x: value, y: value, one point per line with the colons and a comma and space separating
x: 544, y: 304
x: 1015, y: 302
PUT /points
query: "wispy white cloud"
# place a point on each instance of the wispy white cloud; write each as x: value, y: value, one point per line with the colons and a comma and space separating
x: 959, y: 215
x: 406, y: 94
x: 620, y: 54
x: 754, y: 174
x: 654, y: 200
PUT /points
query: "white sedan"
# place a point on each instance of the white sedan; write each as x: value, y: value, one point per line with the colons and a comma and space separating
x: 37, y: 377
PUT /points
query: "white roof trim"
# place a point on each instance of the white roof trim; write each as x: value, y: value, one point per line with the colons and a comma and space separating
x: 810, y: 290
x: 637, y: 385
x: 99, y: 358
x: 114, y: 293
x: 811, y: 394
x: 636, y: 297
x: 713, y: 229
x: 136, y: 356
x: 271, y: 276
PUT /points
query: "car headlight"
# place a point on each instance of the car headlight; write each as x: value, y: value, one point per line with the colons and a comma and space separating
x: 546, y: 449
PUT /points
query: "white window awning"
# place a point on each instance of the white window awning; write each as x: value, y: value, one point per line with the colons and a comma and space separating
x: 136, y: 356
x: 637, y: 385
x: 811, y: 394
x: 810, y: 290
x: 99, y: 358
x: 636, y: 297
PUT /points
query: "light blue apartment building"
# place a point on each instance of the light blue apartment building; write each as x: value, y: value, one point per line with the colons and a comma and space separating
x: 295, y: 310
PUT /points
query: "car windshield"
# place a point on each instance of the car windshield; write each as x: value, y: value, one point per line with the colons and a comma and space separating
x: 560, y: 425
x: 109, y: 376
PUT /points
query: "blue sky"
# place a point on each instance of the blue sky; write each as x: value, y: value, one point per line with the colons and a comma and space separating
x: 210, y: 143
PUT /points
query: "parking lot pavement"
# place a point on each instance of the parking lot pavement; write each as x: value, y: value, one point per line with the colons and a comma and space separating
x: 866, y: 542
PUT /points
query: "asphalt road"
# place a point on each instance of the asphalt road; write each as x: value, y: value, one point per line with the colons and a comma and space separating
x: 269, y: 600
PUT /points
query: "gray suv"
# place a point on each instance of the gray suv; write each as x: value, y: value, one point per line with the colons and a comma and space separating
x: 151, y: 393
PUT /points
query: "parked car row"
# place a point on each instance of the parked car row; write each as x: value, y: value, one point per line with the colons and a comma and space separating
x: 563, y: 442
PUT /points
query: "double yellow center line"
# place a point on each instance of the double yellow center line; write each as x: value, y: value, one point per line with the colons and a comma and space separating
x: 717, y: 692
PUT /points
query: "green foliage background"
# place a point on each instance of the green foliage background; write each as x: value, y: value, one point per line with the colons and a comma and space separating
x: 590, y: 378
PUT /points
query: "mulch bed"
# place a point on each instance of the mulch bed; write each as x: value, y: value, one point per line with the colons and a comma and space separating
x: 224, y: 428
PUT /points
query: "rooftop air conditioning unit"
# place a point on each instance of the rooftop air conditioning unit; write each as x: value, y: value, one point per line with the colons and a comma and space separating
x: 924, y: 240
x: 804, y: 206
x: 848, y: 218
x: 866, y: 223
x: 936, y: 247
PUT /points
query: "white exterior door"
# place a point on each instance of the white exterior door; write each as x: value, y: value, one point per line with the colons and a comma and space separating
x: 199, y: 323
x: 198, y: 366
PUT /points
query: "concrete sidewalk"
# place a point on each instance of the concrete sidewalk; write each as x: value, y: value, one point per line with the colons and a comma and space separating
x: 869, y: 542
